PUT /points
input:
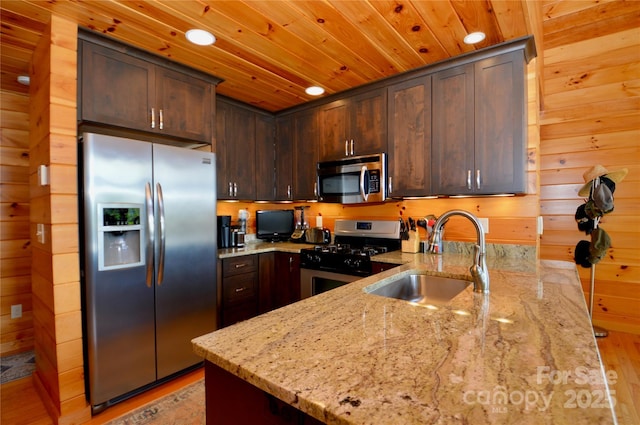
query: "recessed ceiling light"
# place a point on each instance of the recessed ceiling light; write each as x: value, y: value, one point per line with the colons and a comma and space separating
x: 24, y: 80
x: 200, y: 37
x: 314, y: 90
x: 474, y: 37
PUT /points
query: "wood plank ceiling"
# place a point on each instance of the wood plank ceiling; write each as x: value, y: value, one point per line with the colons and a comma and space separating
x: 268, y: 52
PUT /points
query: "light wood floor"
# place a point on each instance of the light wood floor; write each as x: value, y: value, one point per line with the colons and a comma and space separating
x: 620, y: 352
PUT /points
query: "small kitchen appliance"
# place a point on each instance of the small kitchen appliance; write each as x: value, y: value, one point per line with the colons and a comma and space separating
x: 325, y: 267
x: 318, y: 235
x: 301, y: 225
x: 224, y: 231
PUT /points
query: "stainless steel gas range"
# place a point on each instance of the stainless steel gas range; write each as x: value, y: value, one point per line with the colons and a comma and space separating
x: 325, y: 267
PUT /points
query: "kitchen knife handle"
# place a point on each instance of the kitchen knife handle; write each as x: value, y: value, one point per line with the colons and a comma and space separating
x: 161, y: 235
x: 153, y: 118
x: 469, y: 179
x: 150, y: 234
x: 161, y: 117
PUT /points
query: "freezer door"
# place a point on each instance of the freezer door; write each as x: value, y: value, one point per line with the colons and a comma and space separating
x: 118, y: 300
x: 185, y: 188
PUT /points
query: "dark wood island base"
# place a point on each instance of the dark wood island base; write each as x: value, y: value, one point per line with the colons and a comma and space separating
x: 232, y: 401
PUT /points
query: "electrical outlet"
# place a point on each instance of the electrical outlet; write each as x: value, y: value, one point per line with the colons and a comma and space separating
x: 16, y: 311
x: 485, y: 224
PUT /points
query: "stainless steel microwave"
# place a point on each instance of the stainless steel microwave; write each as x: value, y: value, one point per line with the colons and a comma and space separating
x: 353, y: 180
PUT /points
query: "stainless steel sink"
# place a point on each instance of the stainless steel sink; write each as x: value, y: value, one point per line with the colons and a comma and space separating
x: 420, y: 288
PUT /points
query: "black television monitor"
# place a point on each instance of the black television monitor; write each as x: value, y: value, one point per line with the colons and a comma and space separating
x: 274, y: 225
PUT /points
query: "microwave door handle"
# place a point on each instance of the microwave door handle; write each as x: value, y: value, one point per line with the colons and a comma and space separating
x: 364, y: 192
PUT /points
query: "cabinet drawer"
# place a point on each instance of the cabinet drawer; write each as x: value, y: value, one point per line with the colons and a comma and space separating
x: 236, y: 289
x: 238, y: 265
x: 239, y: 313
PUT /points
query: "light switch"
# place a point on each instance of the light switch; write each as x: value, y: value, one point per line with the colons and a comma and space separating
x: 40, y: 232
x: 16, y: 311
x: 540, y: 225
x: 43, y: 175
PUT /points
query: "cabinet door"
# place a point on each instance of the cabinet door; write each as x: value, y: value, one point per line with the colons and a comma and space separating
x: 305, y: 151
x: 184, y: 105
x: 354, y: 126
x: 284, y: 158
x: 409, y: 156
x: 335, y: 120
x: 265, y: 177
x: 368, y: 126
x: 287, y: 281
x: 500, y: 125
x: 117, y: 89
x: 236, y: 151
x: 453, y: 131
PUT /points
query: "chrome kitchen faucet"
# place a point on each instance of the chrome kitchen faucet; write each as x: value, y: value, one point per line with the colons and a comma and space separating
x: 479, y: 272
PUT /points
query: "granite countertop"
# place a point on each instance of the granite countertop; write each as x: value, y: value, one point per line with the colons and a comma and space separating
x: 526, y: 354
x: 258, y: 247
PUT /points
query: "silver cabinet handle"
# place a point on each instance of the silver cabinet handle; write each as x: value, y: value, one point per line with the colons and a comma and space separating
x: 162, y: 234
x: 290, y: 264
x: 315, y: 189
x: 230, y: 189
x: 288, y: 191
x: 240, y: 265
x: 148, y: 199
x: 346, y: 148
x: 390, y: 185
x: 477, y: 179
x: 241, y: 289
x: 469, y: 179
x: 352, y: 147
x: 235, y: 189
x: 161, y: 116
x: 153, y: 118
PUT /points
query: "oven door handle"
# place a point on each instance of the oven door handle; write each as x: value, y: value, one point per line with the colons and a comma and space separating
x: 364, y: 176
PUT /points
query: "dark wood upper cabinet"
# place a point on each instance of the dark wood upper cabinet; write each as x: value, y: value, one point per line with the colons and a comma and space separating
x: 122, y: 89
x: 305, y: 154
x: 296, y: 155
x: 453, y: 141
x: 284, y: 158
x: 184, y: 105
x: 409, y: 123
x: 500, y: 124
x: 355, y: 125
x: 479, y: 127
x: 265, y: 175
x: 235, y: 151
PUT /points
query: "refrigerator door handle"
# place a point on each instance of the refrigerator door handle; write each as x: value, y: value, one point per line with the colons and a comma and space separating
x: 150, y: 234
x: 161, y: 234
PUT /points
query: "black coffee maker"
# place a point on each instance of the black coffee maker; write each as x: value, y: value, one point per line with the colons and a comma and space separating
x: 224, y: 231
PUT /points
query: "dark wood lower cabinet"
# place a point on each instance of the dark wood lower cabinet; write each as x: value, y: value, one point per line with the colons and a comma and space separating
x: 232, y: 401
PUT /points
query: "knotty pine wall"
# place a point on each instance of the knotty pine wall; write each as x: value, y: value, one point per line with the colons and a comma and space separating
x: 592, y: 116
x: 15, y: 247
x: 55, y: 268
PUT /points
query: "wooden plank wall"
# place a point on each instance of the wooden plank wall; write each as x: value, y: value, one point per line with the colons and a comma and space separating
x: 15, y: 247
x: 57, y: 316
x: 592, y: 116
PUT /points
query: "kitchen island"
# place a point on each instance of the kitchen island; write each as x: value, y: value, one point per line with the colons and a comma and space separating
x: 525, y: 354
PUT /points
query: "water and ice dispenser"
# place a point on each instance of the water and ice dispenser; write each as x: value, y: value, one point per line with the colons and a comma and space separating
x: 120, y: 234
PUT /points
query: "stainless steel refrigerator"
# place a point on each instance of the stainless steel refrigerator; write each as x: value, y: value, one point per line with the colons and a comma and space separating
x: 148, y: 262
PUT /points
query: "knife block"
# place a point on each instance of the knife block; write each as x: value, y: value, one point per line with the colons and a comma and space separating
x: 412, y: 244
